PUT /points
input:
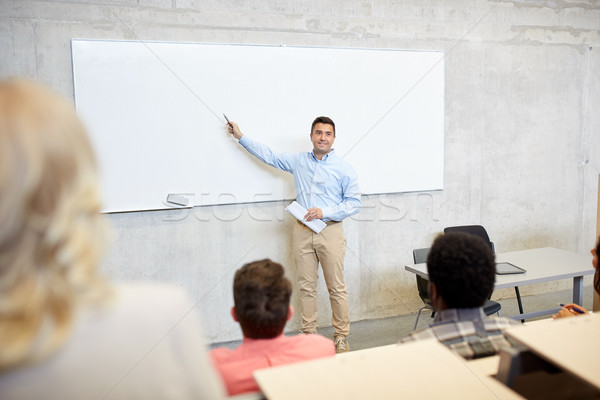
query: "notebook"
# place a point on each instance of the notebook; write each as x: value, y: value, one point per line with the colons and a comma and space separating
x: 299, y: 212
x: 505, y: 268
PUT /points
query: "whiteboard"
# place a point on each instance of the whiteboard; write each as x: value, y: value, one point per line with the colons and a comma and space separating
x: 154, y: 112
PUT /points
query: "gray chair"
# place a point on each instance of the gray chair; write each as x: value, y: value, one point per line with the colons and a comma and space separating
x: 420, y: 256
x: 480, y: 231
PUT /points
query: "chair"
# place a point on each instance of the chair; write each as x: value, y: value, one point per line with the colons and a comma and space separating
x: 420, y: 256
x: 480, y: 231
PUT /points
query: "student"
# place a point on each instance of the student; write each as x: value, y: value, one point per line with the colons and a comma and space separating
x: 66, y: 333
x: 571, y: 310
x: 327, y: 187
x: 462, y: 271
x: 261, y: 295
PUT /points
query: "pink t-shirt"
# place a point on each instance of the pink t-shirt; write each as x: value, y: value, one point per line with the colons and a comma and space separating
x: 236, y: 366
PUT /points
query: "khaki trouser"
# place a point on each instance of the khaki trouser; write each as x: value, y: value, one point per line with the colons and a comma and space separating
x: 328, y: 248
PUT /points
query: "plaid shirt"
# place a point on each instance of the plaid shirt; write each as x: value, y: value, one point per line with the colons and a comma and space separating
x: 467, y: 332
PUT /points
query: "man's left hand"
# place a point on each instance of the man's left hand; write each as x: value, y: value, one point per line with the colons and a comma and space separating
x: 313, y: 213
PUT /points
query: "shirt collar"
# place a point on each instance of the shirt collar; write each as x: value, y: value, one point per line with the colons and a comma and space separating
x: 459, y: 314
x: 325, y: 157
x: 263, y: 342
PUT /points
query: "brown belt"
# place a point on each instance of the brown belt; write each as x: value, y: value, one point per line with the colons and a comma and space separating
x: 327, y: 222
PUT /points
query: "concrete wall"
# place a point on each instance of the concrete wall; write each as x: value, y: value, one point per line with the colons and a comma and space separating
x: 521, y: 135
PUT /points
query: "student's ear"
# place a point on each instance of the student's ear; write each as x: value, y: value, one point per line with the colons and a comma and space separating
x: 437, y: 301
x: 233, y: 314
x: 290, y: 312
x: 430, y: 289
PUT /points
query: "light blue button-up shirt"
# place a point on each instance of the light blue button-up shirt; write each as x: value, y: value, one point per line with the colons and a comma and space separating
x: 330, y: 184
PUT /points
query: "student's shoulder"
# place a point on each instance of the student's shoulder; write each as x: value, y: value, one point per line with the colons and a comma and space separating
x: 500, y: 322
x: 314, y: 341
x: 220, y: 354
x: 314, y: 337
x: 421, y: 334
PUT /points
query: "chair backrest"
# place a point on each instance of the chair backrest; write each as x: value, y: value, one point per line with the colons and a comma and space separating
x: 476, y: 230
x: 419, y: 257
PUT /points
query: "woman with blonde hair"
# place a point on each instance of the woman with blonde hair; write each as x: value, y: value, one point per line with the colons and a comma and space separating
x: 65, y: 332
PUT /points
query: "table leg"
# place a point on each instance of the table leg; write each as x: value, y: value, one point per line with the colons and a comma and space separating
x: 578, y: 290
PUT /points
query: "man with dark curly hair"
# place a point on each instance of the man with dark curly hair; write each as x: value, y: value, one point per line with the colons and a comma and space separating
x: 261, y: 295
x: 462, y: 272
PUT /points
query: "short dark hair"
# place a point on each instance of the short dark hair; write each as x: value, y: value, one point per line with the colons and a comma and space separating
x: 261, y: 293
x: 463, y: 268
x: 323, y: 120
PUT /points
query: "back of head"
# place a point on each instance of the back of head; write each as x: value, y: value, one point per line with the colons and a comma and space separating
x: 262, y: 296
x: 463, y: 268
x: 51, y: 232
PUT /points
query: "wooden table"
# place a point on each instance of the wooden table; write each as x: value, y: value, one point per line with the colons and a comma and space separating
x: 423, y: 369
x: 571, y: 344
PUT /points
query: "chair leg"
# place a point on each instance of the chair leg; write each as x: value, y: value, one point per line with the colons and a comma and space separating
x: 519, y: 301
x: 418, y: 316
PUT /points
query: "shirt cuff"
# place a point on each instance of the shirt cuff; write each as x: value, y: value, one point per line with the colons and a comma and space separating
x: 326, y: 213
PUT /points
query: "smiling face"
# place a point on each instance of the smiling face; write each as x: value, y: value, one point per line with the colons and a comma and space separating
x: 322, y: 137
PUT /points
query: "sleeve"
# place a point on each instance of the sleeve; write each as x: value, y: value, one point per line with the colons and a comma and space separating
x: 350, y: 203
x: 283, y: 161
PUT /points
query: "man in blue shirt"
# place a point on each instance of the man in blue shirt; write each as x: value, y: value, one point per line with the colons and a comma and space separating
x: 327, y: 187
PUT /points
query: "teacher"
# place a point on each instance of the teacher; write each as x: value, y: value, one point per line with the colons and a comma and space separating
x: 327, y: 187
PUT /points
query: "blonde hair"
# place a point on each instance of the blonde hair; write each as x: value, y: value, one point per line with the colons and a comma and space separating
x: 52, y: 234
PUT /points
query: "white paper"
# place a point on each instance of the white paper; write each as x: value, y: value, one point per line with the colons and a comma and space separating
x: 299, y: 212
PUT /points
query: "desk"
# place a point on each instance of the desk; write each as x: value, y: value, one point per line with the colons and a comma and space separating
x: 569, y: 343
x: 542, y: 265
x: 485, y: 366
x: 489, y: 365
x: 423, y: 369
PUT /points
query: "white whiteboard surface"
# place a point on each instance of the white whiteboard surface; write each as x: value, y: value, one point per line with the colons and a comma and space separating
x: 154, y: 111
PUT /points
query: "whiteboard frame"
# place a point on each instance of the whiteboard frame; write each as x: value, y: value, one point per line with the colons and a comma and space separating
x: 153, y: 110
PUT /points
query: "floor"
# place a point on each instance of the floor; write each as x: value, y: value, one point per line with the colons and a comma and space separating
x: 379, y: 332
